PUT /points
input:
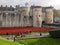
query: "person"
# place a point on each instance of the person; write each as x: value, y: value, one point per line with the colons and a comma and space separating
x: 40, y: 34
x: 21, y: 35
x: 14, y: 39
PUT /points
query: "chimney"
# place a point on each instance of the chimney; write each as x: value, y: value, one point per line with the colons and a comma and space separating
x: 6, y: 6
x: 17, y: 6
x: 1, y: 5
x: 10, y: 6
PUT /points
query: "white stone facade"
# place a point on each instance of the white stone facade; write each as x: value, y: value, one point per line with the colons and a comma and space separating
x: 37, y: 16
x: 25, y: 16
x: 49, y: 15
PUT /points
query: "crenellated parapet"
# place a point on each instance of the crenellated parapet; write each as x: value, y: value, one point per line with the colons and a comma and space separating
x: 6, y: 8
x: 22, y: 16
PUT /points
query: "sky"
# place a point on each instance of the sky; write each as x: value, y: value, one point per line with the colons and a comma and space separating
x: 54, y: 3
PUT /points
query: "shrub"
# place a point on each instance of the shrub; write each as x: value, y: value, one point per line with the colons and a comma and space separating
x: 55, y: 33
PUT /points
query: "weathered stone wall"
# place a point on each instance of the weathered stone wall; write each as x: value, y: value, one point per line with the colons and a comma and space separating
x: 49, y: 15
x: 37, y: 16
x: 22, y: 16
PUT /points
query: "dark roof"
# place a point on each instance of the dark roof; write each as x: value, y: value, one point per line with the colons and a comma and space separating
x: 35, y: 6
x: 48, y: 7
x: 54, y: 24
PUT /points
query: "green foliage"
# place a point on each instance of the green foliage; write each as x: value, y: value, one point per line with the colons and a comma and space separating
x: 55, y: 33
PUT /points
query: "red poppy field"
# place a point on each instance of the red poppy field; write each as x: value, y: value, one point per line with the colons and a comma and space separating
x: 23, y: 30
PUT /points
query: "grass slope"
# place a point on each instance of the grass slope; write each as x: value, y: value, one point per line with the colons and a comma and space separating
x: 42, y: 41
x: 4, y: 42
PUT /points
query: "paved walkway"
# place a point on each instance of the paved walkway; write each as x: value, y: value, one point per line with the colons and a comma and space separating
x: 26, y: 36
x: 34, y: 35
x: 5, y: 39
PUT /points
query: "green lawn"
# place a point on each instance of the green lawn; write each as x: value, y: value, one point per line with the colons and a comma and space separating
x: 37, y: 41
x: 4, y: 42
x: 42, y: 41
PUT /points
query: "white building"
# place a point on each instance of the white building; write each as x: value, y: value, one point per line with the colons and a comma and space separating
x: 49, y: 15
x: 25, y: 16
x: 37, y: 15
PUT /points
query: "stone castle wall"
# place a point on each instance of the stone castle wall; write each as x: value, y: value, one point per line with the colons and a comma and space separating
x: 22, y: 16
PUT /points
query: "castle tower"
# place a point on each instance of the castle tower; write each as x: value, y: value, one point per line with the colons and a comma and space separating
x: 37, y: 15
x: 49, y: 15
x: 24, y: 15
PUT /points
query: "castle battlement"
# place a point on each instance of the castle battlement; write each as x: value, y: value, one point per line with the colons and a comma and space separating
x: 25, y: 16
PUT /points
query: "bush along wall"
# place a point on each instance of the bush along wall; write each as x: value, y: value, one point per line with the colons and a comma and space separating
x: 55, y: 33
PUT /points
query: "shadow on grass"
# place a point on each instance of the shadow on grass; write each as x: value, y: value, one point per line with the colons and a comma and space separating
x: 42, y: 41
